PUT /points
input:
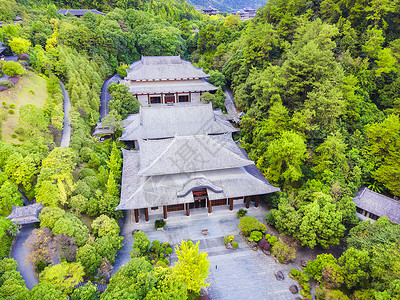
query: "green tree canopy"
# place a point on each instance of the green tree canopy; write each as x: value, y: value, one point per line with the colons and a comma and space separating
x: 192, y: 266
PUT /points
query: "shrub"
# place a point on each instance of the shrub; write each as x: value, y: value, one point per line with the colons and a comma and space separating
x: 121, y: 70
x: 14, y: 135
x: 166, y: 261
x: 11, y: 112
x: 153, y: 262
x: 160, y: 223
x: 255, y: 236
x: 161, y: 264
x: 294, y: 272
x: 6, y: 84
x: 12, y: 68
x: 283, y: 252
x: 19, y: 130
x: 12, y: 106
x: 248, y: 224
x: 40, y: 266
x: 226, y: 240
x: 4, y: 103
x: 85, y: 172
x: 270, y: 218
x: 271, y: 239
x: 168, y: 251
x: 263, y: 243
x: 32, y: 92
x: 161, y: 256
x: 235, y: 245
x: 241, y: 213
x: 21, y: 139
x: 140, y: 245
x: 166, y: 245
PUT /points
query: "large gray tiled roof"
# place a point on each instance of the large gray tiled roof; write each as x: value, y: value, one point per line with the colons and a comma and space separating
x: 378, y: 204
x: 25, y: 214
x: 163, y: 68
x: 187, y: 154
x: 79, y: 12
x: 176, y: 120
x: 181, y: 86
x: 149, y: 191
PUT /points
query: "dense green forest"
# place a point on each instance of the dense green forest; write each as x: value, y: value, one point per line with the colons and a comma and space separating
x: 318, y: 82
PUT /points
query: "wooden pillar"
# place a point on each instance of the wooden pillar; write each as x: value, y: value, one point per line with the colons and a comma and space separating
x: 187, y: 209
x: 256, y: 204
x: 209, y: 206
x: 136, y: 215
x: 230, y: 203
x: 146, y: 213
x: 247, y: 201
x: 165, y: 211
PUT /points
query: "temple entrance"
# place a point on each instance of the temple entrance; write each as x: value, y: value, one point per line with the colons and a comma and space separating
x: 200, y: 198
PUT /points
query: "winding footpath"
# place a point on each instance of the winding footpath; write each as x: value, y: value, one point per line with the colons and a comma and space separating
x: 105, y: 95
x: 20, y: 254
x: 66, y: 133
x: 230, y: 105
x: 20, y: 251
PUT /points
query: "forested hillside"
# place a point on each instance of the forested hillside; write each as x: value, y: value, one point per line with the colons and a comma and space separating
x: 319, y: 84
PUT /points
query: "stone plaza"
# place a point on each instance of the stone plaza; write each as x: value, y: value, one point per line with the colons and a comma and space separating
x: 234, y: 274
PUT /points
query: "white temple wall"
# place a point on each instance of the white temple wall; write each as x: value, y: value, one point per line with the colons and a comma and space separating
x: 143, y: 100
x: 195, y: 98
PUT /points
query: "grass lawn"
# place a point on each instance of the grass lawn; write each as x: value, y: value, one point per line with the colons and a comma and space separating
x: 31, y: 89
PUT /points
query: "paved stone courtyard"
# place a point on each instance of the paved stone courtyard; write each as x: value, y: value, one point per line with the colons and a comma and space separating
x: 234, y: 274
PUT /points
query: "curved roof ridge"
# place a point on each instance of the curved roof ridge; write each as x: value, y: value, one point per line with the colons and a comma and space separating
x: 141, y: 171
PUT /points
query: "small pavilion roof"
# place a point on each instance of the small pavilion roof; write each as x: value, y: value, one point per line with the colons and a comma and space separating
x: 149, y: 191
x: 186, y: 86
x: 163, y: 68
x: 378, y: 204
x: 25, y: 214
x: 180, y: 119
x: 187, y: 154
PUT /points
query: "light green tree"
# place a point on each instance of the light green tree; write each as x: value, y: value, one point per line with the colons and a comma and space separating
x: 12, y: 68
x: 105, y: 226
x: 132, y: 281
x: 19, y: 45
x: 88, y: 257
x: 63, y: 276
x: 168, y: 286
x: 192, y: 267
x: 141, y: 244
x: 50, y: 215
x: 87, y: 292
x: 384, y: 152
x: 355, y: 266
x: 46, y: 291
x: 285, y: 156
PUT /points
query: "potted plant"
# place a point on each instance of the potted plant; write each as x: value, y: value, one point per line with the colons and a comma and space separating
x: 241, y: 213
x: 159, y: 224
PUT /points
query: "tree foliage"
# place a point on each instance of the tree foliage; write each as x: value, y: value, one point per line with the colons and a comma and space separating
x: 192, y: 266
